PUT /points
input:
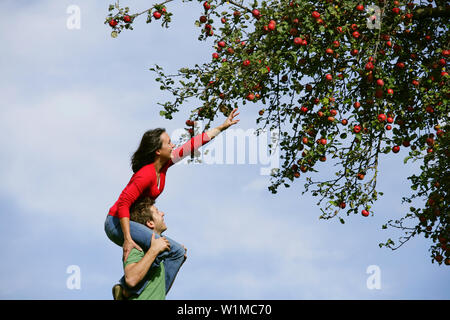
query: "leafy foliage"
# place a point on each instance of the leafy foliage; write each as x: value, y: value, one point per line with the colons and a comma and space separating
x: 343, y: 82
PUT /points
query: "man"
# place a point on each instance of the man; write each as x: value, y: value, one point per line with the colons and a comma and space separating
x: 139, y: 265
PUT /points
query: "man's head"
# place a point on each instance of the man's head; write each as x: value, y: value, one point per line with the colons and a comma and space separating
x: 145, y: 212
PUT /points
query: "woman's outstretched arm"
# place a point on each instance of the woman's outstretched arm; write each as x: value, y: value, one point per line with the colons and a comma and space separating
x: 228, y: 122
x: 199, y: 140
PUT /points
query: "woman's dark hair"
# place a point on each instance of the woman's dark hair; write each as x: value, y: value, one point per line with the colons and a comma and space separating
x: 145, y: 154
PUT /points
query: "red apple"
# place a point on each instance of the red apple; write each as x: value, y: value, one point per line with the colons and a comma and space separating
x: 272, y: 25
x: 113, y: 23
x: 356, y: 129
x: 298, y: 41
x: 256, y: 13
x: 381, y: 117
x: 315, y: 15
x: 395, y: 149
x: 157, y: 14
x: 360, y: 7
x: 206, y: 5
x: 369, y: 66
x: 329, y: 77
x: 365, y: 213
x: 380, y: 82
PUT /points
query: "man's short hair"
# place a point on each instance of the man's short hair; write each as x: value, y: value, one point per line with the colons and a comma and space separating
x: 140, y: 210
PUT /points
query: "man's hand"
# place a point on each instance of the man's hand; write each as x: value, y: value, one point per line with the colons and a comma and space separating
x: 159, y: 245
x: 128, y: 245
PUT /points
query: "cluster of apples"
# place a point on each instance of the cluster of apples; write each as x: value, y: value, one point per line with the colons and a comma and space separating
x: 126, y: 18
x: 159, y: 13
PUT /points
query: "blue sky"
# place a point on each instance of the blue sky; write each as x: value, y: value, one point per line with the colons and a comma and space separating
x: 75, y: 104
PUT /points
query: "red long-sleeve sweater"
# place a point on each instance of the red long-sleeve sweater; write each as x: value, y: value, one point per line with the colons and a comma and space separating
x: 144, y: 182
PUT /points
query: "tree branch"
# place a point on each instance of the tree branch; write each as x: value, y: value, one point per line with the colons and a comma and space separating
x: 441, y: 11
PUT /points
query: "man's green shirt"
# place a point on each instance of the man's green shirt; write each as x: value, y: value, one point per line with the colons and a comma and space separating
x: 156, y: 287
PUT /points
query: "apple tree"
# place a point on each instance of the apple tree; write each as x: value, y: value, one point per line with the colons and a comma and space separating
x: 343, y: 81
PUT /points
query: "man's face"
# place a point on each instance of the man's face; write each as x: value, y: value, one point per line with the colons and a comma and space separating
x: 158, y: 224
x: 167, y: 146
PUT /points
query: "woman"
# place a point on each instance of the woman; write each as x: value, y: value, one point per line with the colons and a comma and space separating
x: 150, y: 163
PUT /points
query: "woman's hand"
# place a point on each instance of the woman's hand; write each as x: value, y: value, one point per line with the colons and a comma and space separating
x: 128, y: 245
x: 229, y: 121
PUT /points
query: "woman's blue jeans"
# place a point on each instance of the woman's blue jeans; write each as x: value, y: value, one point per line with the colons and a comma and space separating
x: 142, y: 235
